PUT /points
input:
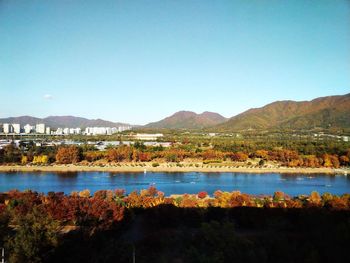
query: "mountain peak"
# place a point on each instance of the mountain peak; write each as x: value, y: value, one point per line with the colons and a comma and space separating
x: 188, y: 120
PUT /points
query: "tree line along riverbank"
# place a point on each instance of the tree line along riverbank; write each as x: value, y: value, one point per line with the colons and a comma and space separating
x: 227, y: 226
x: 177, y: 156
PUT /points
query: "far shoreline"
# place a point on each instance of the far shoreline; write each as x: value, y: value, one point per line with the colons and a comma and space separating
x: 164, y: 168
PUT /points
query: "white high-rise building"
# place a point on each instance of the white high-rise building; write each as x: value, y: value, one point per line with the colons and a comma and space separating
x: 124, y: 128
x: 40, y: 128
x: 74, y: 131
x: 28, y: 128
x: 59, y: 131
x: 66, y: 130
x: 7, y: 128
x: 48, y: 130
x: 16, y: 128
x: 94, y: 130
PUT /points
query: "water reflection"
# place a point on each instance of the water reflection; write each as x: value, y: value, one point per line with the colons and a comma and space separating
x: 65, y: 175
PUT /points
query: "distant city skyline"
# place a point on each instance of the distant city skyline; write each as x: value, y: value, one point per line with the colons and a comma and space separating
x: 139, y: 62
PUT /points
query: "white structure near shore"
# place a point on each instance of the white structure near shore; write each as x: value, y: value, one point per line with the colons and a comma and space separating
x: 148, y: 136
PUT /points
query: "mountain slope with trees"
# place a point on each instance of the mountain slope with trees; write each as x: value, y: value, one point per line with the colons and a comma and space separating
x: 324, y: 112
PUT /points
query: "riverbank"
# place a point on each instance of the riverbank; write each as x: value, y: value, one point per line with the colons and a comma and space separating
x: 129, y: 167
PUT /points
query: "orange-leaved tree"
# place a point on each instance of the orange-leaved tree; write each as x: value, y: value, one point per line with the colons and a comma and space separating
x: 68, y: 154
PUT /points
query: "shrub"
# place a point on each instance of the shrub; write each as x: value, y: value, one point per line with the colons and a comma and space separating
x: 212, y: 161
x: 24, y: 159
x: 278, y: 196
x: 42, y: 159
x: 85, y: 193
x: 315, y: 197
x: 202, y: 194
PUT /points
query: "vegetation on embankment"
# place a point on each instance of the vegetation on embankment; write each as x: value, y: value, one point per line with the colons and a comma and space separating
x: 230, y: 226
x: 253, y: 156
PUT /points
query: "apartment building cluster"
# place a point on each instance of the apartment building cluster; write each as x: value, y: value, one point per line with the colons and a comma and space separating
x: 41, y: 128
x: 16, y: 128
x: 92, y: 130
x: 105, y: 130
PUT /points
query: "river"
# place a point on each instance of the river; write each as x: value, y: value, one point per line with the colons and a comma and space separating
x: 175, y: 183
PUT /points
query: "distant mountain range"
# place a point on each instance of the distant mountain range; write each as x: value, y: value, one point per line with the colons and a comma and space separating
x: 62, y: 121
x: 188, y: 120
x: 324, y: 112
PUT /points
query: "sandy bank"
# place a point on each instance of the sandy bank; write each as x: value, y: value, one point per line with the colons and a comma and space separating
x: 165, y: 168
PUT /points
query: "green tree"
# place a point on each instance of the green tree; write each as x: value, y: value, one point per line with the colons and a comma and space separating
x: 35, y: 235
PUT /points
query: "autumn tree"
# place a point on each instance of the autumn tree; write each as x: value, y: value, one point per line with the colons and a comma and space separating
x: 92, y: 156
x: 24, y: 159
x: 344, y: 160
x: 212, y: 155
x: 239, y: 157
x: 315, y: 198
x: 41, y: 159
x: 10, y: 154
x: 330, y: 161
x: 122, y: 153
x: 202, y: 194
x: 263, y: 154
x: 311, y: 161
x: 68, y: 154
x: 144, y: 156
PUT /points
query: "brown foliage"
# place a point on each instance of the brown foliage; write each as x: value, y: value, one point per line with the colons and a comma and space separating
x: 144, y: 156
x: 123, y: 153
x: 344, y: 160
x: 315, y: 198
x: 263, y: 154
x: 68, y: 154
x: 212, y: 155
x: 92, y: 156
x: 330, y: 161
x: 311, y: 161
x: 239, y: 157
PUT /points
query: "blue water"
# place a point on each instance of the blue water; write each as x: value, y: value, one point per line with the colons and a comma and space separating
x: 175, y: 183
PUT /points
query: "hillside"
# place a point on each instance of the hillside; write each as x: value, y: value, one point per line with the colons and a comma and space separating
x: 188, y: 120
x: 324, y: 112
x: 62, y: 121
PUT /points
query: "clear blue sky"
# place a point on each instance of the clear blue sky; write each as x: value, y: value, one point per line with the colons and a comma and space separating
x: 140, y: 61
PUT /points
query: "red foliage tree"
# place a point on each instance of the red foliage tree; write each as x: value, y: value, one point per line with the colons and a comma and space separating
x: 202, y: 194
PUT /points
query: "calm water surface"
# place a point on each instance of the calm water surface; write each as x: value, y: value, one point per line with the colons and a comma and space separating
x: 175, y: 183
